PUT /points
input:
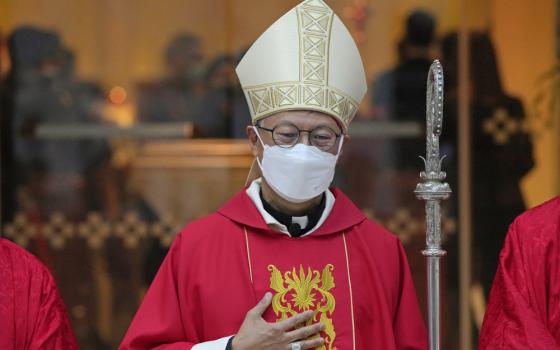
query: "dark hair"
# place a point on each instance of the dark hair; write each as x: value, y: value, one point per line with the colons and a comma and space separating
x: 420, y: 26
x: 29, y: 46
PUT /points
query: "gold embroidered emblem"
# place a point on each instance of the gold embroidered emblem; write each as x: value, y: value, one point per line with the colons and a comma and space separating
x: 296, y: 293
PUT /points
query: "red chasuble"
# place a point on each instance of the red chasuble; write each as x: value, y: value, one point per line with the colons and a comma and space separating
x: 32, y: 314
x: 352, y: 272
x: 524, y: 306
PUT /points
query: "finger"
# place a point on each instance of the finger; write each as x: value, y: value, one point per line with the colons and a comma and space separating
x: 293, y: 321
x: 312, y: 343
x: 309, y: 344
x: 305, y: 332
x: 262, y: 305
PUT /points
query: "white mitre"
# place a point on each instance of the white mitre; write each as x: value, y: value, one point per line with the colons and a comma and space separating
x: 307, y: 60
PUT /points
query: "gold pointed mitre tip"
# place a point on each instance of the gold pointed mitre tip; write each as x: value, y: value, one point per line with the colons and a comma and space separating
x: 306, y: 60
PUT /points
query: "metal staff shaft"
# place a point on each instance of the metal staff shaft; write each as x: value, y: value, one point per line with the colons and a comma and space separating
x: 433, y: 190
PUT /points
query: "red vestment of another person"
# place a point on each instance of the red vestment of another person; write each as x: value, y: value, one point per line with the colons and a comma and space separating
x: 524, y: 305
x: 32, y: 314
x: 351, y: 271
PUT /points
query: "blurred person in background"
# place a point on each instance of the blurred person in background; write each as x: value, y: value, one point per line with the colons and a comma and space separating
x: 226, y: 104
x: 501, y: 148
x: 379, y: 174
x: 220, y: 87
x: 179, y: 96
x: 399, y: 94
x: 55, y: 177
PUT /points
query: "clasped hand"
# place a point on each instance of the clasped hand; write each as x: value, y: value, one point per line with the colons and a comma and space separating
x: 256, y: 334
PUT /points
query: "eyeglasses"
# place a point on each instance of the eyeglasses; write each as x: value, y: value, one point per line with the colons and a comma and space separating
x: 288, y: 135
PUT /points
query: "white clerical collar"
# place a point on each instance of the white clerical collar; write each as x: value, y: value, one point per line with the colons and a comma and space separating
x: 253, y: 191
x: 302, y: 221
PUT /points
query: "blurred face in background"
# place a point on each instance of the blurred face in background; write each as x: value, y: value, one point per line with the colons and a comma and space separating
x: 184, y: 58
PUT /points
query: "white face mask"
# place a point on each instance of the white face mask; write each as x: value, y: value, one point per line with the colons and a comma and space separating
x: 298, y: 173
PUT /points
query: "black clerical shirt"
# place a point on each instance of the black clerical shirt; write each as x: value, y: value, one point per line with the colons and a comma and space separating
x: 294, y: 228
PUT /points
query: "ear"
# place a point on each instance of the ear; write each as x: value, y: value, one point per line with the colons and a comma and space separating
x: 253, y: 140
x: 346, y: 139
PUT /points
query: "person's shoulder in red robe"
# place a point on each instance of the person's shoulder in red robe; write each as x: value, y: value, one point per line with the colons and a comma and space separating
x: 32, y: 314
x: 524, y: 305
x: 220, y: 266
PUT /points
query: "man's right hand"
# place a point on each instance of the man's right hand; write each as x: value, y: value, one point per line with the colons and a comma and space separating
x: 256, y: 334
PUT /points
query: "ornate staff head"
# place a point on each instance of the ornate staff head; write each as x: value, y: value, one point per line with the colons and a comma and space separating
x: 434, y: 123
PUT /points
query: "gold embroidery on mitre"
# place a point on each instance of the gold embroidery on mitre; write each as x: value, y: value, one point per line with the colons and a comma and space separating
x: 306, y: 290
x: 314, y: 35
x: 268, y: 99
